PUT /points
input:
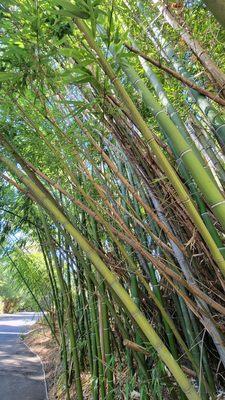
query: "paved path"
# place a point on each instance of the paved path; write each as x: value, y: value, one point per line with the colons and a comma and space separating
x: 21, y: 374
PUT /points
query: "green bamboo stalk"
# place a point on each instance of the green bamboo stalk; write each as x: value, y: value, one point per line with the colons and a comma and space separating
x: 95, y: 326
x: 95, y: 378
x: 138, y: 339
x: 82, y: 296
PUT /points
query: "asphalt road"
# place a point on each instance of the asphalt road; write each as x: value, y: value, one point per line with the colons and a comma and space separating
x: 21, y: 374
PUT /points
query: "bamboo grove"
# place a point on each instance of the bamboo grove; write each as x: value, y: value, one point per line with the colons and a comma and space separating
x: 112, y: 164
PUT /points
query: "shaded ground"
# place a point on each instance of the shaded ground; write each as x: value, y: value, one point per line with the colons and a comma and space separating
x: 41, y: 342
x: 21, y: 374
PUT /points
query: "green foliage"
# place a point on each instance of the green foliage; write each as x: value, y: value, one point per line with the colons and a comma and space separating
x: 21, y: 276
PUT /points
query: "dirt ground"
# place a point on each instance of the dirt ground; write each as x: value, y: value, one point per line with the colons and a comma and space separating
x: 41, y: 343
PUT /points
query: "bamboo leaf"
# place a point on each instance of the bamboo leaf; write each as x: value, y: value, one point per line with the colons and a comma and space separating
x: 7, y: 76
x: 79, y: 9
x: 92, y: 17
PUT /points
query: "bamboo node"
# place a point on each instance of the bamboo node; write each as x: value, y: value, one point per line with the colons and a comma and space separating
x: 189, y: 390
x: 136, y: 81
x: 149, y: 141
x: 113, y: 283
x: 159, y: 112
x: 136, y: 314
x: 218, y: 204
x: 160, y: 348
x: 185, y: 152
x: 221, y: 126
x: 114, y: 79
x: 185, y: 201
